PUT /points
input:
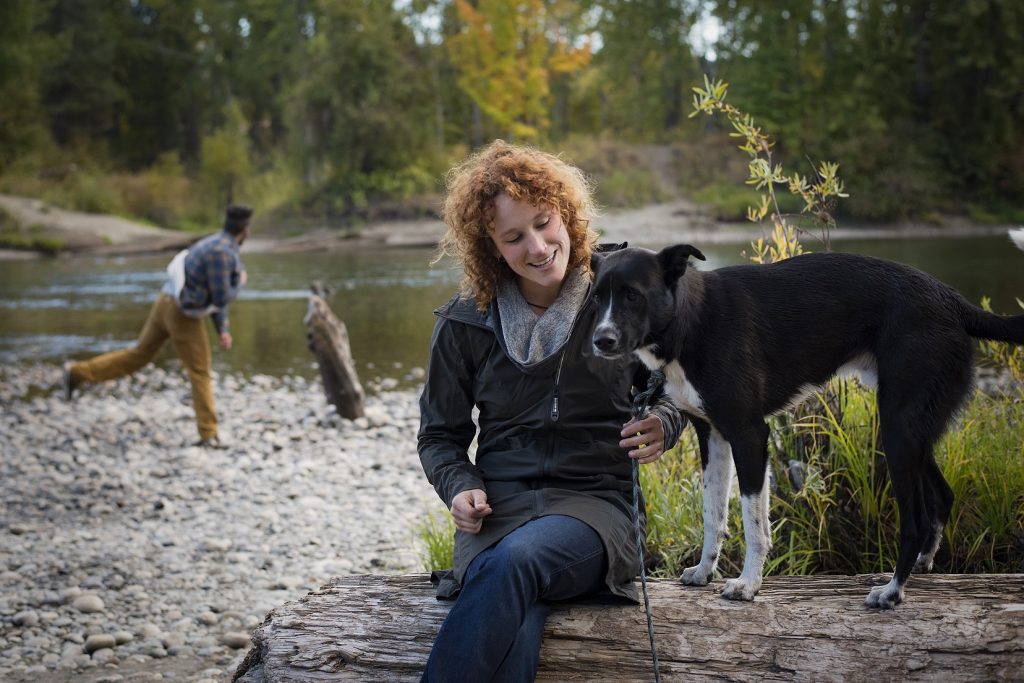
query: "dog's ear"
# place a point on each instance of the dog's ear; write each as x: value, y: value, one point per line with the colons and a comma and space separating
x: 602, y: 250
x: 674, y: 260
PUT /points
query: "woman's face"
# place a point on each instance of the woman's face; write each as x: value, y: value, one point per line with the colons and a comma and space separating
x: 535, y: 244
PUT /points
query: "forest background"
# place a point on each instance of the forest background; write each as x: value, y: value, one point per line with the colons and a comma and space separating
x: 337, y: 112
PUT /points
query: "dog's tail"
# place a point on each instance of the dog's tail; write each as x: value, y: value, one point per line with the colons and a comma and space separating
x: 984, y: 325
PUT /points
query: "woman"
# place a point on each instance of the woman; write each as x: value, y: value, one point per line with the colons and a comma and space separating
x: 544, y: 511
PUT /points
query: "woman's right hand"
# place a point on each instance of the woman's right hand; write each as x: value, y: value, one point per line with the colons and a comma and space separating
x: 469, y: 509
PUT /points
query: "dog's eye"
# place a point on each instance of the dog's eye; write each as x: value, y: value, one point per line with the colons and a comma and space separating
x: 631, y: 296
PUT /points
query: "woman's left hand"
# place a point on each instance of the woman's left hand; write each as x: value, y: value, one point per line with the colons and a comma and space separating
x: 645, y: 438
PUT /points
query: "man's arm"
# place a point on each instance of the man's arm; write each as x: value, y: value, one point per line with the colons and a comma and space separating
x: 223, y: 280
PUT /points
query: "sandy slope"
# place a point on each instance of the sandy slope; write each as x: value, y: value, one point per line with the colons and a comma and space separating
x: 91, y: 233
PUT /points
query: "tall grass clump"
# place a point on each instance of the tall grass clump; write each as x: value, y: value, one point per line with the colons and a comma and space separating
x: 983, y: 461
x: 436, y: 536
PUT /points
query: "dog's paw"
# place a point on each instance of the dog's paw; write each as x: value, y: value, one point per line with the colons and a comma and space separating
x: 739, y: 589
x: 696, y: 576
x: 885, y: 597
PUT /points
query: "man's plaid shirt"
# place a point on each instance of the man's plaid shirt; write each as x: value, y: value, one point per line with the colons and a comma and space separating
x: 213, y: 271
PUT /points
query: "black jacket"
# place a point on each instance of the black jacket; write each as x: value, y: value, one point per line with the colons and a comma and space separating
x: 548, y: 434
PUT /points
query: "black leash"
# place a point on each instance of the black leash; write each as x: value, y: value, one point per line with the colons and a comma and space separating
x: 641, y: 403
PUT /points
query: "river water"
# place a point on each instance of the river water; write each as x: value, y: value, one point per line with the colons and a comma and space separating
x: 76, y: 307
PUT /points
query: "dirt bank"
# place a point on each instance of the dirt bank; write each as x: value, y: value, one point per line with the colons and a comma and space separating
x: 86, y: 233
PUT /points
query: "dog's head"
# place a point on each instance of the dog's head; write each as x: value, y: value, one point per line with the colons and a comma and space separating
x: 634, y: 292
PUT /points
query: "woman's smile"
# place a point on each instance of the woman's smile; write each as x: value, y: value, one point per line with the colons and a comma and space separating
x: 546, y: 262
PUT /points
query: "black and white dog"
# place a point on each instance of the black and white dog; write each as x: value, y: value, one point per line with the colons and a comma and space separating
x: 740, y: 343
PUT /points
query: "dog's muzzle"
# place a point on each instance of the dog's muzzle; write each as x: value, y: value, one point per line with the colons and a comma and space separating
x: 607, y: 341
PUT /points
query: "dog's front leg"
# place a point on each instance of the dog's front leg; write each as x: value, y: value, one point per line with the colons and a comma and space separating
x: 717, y: 483
x: 752, y: 470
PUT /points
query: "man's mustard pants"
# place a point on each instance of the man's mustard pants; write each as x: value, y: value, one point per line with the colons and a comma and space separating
x: 190, y: 342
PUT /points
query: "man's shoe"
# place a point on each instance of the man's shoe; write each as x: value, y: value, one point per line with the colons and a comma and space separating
x: 211, y: 442
x: 68, y: 382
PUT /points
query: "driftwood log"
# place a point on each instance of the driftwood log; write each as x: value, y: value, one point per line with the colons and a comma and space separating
x: 951, y: 628
x: 328, y: 340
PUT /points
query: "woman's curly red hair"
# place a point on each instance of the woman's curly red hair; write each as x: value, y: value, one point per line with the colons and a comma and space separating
x: 524, y: 174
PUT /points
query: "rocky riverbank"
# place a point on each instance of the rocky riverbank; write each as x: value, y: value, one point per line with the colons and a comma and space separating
x: 129, y: 554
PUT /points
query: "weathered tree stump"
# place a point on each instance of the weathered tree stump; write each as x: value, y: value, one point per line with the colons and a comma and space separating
x: 328, y: 340
x: 952, y: 627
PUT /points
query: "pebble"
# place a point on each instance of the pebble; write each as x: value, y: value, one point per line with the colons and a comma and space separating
x: 26, y: 619
x: 99, y: 642
x: 235, y: 639
x: 123, y: 543
x: 88, y: 603
x: 207, y: 618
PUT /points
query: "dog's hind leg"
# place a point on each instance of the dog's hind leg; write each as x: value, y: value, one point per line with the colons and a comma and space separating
x: 913, y: 413
x: 903, y: 458
x: 940, y: 502
x: 751, y: 455
x: 716, y: 457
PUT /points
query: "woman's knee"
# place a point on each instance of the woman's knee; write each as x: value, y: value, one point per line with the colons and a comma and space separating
x: 544, y: 547
x: 512, y: 554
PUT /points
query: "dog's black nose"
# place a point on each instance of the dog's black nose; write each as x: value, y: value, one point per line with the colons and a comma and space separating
x: 606, y: 343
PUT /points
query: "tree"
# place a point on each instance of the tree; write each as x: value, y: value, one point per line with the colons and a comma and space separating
x: 22, y: 51
x: 507, y: 54
x: 225, y: 155
x: 646, y: 64
x: 80, y: 87
x: 922, y: 100
x: 360, y: 110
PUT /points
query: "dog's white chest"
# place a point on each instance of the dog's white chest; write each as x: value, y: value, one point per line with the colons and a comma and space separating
x: 678, y: 388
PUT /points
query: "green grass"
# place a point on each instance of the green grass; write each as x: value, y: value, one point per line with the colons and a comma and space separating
x: 436, y: 533
x: 48, y: 245
x: 14, y: 237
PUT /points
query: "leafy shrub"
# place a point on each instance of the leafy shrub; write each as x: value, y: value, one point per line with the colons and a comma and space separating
x: 729, y: 201
x: 160, y: 194
x: 623, y: 174
x: 87, y: 191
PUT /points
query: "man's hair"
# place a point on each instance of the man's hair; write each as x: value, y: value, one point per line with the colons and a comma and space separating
x: 524, y: 174
x: 236, y: 218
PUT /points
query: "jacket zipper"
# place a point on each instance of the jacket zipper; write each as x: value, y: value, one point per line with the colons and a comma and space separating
x: 561, y: 359
x: 558, y: 374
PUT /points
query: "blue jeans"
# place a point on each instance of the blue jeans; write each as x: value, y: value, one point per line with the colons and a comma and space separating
x: 494, y: 629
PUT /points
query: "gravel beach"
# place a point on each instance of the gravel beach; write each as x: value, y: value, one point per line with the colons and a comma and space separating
x: 129, y: 554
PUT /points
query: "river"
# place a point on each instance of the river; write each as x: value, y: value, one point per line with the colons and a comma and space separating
x: 75, y: 307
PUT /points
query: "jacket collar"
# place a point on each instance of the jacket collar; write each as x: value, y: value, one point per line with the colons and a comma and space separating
x: 463, y: 309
